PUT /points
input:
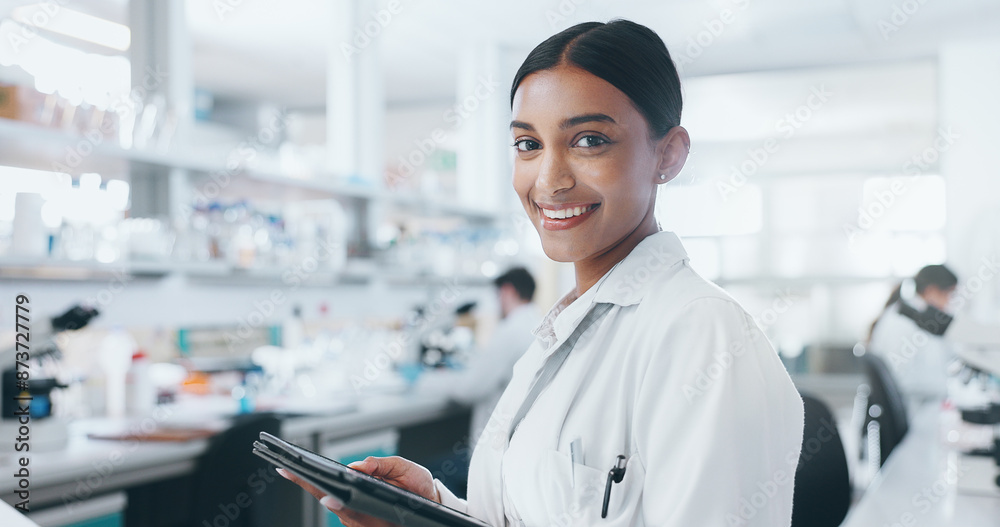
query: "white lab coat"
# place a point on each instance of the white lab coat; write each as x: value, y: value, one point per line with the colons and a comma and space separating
x: 917, y: 359
x: 678, y: 378
x: 490, y: 369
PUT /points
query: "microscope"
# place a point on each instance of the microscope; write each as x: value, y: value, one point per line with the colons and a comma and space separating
x: 978, y: 349
x: 49, y: 433
x: 988, y: 463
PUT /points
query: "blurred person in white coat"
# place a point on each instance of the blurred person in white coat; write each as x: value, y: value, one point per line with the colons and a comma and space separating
x: 645, y: 383
x: 910, y: 340
x: 922, y: 330
x: 490, y: 368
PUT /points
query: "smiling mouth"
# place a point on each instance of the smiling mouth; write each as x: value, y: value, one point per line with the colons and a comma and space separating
x: 566, y: 217
x: 567, y: 213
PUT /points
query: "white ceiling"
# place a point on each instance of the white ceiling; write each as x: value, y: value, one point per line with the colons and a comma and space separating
x: 275, y: 50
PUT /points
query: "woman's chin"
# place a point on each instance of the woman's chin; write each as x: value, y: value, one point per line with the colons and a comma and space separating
x: 560, y: 252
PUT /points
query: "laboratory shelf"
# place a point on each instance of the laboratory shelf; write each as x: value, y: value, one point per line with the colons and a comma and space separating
x: 33, y: 146
x: 329, y: 184
x: 36, y: 139
x: 55, y: 269
x: 356, y: 272
x: 805, y: 280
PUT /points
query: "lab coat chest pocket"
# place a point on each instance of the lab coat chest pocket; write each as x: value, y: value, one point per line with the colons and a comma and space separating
x: 573, y: 494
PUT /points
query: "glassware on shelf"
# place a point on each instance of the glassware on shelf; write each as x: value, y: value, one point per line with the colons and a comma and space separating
x: 308, y: 236
x: 444, y: 249
x: 147, y: 239
x: 29, y: 237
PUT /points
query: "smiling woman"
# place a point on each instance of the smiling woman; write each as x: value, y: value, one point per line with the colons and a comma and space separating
x: 644, y: 368
x: 594, y: 137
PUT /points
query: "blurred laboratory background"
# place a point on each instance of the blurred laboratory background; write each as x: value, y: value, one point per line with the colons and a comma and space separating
x: 235, y: 215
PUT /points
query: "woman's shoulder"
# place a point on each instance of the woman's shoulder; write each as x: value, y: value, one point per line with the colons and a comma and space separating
x: 684, y: 291
x: 689, y: 323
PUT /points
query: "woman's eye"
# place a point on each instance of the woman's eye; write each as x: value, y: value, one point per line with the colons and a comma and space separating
x: 526, y: 145
x: 591, y: 141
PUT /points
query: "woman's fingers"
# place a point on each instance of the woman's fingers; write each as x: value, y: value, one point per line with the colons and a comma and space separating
x: 348, y: 517
x: 381, y: 467
x: 399, y: 471
x: 394, y: 469
x: 316, y: 493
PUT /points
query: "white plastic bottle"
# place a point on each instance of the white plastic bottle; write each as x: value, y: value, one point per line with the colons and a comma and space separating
x: 139, y: 387
x: 293, y: 330
x: 116, y: 357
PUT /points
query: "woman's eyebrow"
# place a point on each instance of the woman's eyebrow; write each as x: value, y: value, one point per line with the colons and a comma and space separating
x: 570, y: 122
x: 522, y: 125
x: 586, y: 118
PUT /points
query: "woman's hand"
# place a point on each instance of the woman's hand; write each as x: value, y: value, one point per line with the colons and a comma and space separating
x: 396, y: 470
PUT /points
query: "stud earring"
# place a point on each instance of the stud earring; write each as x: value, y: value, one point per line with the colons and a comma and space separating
x: 663, y: 177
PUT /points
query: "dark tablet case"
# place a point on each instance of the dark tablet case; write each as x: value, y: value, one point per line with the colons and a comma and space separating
x: 359, y: 491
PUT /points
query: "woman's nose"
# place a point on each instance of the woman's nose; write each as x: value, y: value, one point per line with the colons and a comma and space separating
x: 554, y: 174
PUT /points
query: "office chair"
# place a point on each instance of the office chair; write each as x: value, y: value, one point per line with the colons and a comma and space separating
x: 228, y: 481
x: 822, y: 482
x: 886, y: 408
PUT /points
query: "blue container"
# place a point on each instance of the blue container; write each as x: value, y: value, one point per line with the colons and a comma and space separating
x: 111, y: 520
x: 331, y: 519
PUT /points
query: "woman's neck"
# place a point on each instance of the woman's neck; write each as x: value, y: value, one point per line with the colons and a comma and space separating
x: 591, y: 269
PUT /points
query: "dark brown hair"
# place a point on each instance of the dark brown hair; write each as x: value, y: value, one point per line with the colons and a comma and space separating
x: 629, y: 56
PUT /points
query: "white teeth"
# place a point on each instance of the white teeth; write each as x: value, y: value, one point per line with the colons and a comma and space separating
x: 566, y: 213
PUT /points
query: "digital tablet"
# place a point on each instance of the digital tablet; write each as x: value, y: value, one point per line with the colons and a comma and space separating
x: 359, y: 491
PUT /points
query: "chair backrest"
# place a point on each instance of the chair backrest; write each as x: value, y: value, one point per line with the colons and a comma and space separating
x: 891, y: 413
x: 822, y: 482
x: 231, y: 481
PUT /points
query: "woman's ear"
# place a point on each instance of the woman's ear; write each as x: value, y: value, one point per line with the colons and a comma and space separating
x: 672, y: 152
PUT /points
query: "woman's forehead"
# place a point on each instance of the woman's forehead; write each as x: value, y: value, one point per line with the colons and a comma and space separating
x: 566, y: 91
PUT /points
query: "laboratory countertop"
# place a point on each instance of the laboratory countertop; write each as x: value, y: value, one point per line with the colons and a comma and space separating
x: 926, y: 482
x: 92, y: 466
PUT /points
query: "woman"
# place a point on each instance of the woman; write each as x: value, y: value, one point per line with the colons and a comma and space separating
x: 909, y: 338
x: 665, y: 368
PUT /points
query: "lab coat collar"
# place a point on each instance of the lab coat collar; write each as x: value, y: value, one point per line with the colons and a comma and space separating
x: 628, y: 281
x: 624, y: 285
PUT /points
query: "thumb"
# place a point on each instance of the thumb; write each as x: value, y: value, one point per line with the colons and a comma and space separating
x: 367, y: 465
x: 357, y: 464
x: 380, y: 467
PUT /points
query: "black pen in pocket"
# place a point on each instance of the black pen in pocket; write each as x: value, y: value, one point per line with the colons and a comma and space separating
x: 615, y: 475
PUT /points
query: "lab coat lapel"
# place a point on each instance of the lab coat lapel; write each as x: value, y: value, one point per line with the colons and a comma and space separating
x: 623, y: 285
x: 488, y: 499
x: 628, y: 281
